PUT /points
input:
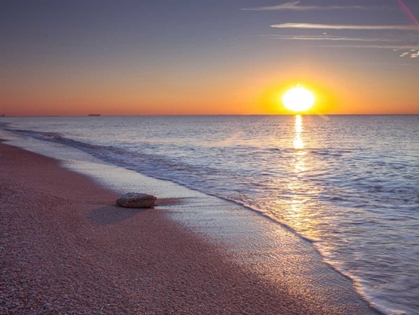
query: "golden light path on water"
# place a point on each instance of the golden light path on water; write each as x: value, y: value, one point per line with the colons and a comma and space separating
x: 296, y: 208
x: 298, y: 142
x: 299, y: 188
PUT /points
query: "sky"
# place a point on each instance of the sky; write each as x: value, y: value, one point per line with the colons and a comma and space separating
x: 215, y: 57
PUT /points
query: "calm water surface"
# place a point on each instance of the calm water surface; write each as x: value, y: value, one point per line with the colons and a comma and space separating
x: 349, y: 184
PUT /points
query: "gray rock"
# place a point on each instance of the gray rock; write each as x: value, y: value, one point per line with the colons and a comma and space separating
x: 136, y: 200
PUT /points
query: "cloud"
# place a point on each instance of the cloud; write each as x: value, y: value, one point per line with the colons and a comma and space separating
x: 346, y: 27
x: 395, y: 47
x: 294, y: 6
x: 284, y: 6
x: 412, y: 50
x: 413, y: 53
x: 331, y: 37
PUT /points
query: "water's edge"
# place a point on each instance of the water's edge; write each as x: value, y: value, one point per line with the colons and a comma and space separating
x: 16, y: 140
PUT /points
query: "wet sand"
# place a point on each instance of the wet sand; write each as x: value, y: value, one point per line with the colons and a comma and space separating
x: 66, y: 248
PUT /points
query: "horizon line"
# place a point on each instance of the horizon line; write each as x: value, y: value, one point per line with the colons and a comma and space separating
x: 179, y: 115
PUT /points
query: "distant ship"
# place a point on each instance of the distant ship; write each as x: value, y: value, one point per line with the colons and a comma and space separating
x: 94, y: 115
x: 2, y: 115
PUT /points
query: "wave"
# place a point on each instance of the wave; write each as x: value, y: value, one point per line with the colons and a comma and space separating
x: 344, y: 190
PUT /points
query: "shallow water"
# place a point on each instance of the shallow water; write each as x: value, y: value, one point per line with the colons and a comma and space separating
x: 349, y: 184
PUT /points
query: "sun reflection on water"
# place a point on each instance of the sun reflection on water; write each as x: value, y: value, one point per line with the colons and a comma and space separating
x: 298, y: 185
x: 298, y: 142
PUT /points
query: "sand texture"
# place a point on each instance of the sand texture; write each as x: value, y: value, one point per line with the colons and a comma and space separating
x: 67, y: 249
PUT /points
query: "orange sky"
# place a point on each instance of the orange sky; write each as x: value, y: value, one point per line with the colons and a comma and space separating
x: 76, y: 61
x: 251, y: 93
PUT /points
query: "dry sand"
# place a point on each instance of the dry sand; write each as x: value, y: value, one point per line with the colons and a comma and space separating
x: 58, y: 256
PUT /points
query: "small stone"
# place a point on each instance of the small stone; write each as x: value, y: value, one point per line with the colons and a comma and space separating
x: 136, y: 200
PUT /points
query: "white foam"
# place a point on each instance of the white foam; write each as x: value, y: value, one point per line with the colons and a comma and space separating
x: 256, y: 243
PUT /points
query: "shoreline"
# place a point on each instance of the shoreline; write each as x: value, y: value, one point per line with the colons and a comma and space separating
x: 68, y: 248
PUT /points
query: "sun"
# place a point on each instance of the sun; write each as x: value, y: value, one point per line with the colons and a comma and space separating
x: 298, y: 99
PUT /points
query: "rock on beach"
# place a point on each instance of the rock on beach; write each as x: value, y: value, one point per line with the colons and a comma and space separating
x: 136, y: 200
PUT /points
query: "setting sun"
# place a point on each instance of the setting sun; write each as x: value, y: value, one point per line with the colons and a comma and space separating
x: 298, y: 99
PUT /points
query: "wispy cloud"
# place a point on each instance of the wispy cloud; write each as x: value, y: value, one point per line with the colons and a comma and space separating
x: 331, y: 37
x: 294, y: 6
x: 412, y: 53
x: 412, y: 48
x: 346, y: 27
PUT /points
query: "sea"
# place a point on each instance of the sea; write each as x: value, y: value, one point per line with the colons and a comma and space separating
x: 347, y: 184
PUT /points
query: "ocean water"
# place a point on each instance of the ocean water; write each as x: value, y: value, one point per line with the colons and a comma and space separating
x: 348, y: 184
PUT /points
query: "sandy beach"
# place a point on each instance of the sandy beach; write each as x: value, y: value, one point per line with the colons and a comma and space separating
x: 279, y: 138
x: 58, y: 256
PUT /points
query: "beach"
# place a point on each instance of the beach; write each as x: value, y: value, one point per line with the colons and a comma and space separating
x: 281, y: 140
x: 56, y: 260
x: 60, y: 257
